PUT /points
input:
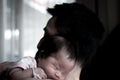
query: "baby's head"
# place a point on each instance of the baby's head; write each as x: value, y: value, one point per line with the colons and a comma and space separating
x: 53, y: 57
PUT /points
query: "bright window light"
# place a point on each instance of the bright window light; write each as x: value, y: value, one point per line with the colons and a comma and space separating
x: 38, y: 7
x: 16, y: 33
x: 7, y: 34
x: 29, y: 52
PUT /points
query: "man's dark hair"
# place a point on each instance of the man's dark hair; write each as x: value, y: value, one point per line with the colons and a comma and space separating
x: 79, y: 26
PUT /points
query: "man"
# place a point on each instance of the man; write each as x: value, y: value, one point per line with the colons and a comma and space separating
x: 82, y: 30
x: 80, y: 27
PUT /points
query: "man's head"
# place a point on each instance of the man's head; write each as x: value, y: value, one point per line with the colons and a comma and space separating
x: 79, y: 26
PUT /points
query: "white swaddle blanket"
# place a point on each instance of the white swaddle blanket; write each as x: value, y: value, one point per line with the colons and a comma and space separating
x: 26, y: 63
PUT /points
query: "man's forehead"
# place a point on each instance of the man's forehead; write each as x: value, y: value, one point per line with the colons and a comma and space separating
x: 51, y: 21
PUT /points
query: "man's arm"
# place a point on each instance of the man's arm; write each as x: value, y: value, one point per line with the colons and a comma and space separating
x: 4, y: 66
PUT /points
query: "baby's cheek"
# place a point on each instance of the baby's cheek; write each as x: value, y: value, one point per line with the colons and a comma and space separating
x: 49, y: 71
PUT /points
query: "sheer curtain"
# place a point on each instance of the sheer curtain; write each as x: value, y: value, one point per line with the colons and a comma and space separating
x: 21, y: 26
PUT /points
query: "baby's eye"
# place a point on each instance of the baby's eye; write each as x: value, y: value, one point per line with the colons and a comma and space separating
x: 57, y: 68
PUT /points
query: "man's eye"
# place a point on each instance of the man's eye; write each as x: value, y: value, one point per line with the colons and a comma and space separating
x: 42, y: 51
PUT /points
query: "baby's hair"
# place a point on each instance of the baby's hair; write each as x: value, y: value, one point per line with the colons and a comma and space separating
x: 51, y: 45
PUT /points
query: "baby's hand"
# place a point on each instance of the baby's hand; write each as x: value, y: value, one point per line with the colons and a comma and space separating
x: 39, y: 73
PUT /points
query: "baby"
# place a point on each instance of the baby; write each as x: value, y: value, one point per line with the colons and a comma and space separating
x: 52, y: 61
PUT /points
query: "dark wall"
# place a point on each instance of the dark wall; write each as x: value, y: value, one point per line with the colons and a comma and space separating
x: 107, y: 10
x: 104, y: 65
x: 118, y: 9
x: 89, y: 3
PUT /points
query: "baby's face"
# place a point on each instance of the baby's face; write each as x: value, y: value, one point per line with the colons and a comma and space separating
x: 58, y: 65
